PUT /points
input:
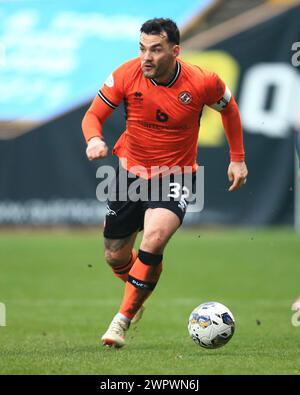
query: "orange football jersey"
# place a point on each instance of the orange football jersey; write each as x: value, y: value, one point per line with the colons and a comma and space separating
x: 162, y: 121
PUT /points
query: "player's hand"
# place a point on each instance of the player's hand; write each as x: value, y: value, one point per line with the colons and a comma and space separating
x: 237, y: 174
x: 96, y: 149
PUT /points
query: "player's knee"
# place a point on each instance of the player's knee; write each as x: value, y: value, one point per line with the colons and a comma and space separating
x: 115, y: 258
x: 155, y: 240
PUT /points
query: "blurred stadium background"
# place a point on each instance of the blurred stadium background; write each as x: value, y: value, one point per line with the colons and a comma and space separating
x: 54, y: 56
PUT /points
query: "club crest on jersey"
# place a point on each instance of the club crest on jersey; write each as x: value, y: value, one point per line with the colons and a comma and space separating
x: 185, y: 97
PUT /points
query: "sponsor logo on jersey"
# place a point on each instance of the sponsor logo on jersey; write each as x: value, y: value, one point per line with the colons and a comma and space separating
x: 185, y: 97
x: 110, y: 81
x: 161, y: 116
x: 138, y: 97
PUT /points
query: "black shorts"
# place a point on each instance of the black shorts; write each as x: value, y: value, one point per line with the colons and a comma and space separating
x: 128, y: 202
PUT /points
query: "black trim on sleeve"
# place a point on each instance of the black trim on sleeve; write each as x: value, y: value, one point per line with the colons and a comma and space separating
x: 107, y: 101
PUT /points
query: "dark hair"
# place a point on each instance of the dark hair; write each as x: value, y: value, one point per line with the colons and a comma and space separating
x: 159, y: 25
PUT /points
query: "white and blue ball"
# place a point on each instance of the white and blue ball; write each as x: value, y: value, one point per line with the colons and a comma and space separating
x: 211, y: 325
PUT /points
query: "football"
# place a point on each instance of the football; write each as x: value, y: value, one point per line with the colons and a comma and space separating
x: 211, y: 325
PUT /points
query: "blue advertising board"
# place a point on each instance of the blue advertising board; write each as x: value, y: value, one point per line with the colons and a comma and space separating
x: 54, y: 55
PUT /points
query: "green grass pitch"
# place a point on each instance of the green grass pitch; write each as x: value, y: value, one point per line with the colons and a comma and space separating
x: 60, y: 296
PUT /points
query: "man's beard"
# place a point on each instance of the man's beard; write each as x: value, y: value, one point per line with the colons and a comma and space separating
x: 151, y: 73
x: 155, y: 72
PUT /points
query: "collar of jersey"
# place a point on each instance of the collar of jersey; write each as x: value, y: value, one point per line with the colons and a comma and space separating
x: 173, y: 80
